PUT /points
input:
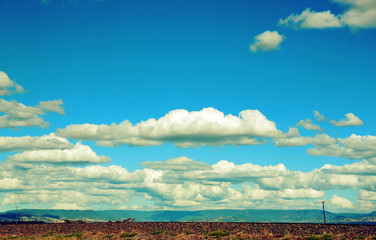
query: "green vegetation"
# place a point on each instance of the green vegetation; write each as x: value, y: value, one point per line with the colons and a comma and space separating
x: 50, y: 233
x: 219, y: 234
x: 325, y: 236
x: 75, y: 235
x: 128, y: 234
x: 108, y: 236
x: 163, y: 231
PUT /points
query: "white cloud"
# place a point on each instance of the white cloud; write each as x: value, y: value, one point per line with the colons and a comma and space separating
x: 319, y: 117
x: 294, y: 141
x: 220, y: 185
x: 357, y: 14
x: 341, y: 202
x: 267, y: 41
x: 11, y: 184
x: 311, y: 19
x: 367, y: 195
x: 353, y: 147
x: 52, y: 106
x: 357, y: 168
x: 78, y: 155
x: 309, y: 125
x: 19, y: 115
x: 182, y: 128
x: 7, y: 86
x: 50, y: 141
x: 351, y: 120
x: 177, y: 164
x: 67, y: 206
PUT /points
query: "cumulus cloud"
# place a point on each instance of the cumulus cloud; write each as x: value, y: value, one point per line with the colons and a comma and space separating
x: 311, y: 19
x: 78, y: 155
x: 267, y: 41
x: 358, y: 168
x: 294, y: 141
x: 220, y: 185
x: 7, y: 184
x: 19, y: 115
x: 52, y: 106
x: 367, y: 195
x: 353, y: 147
x: 7, y: 86
x: 341, y: 202
x: 51, y: 141
x: 309, y: 125
x: 319, y: 117
x: 182, y: 128
x: 357, y: 14
x: 177, y: 164
x: 351, y: 120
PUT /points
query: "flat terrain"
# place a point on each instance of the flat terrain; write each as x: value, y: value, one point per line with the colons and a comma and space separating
x: 185, y: 230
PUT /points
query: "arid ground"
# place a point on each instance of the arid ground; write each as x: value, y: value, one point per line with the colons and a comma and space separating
x: 185, y: 230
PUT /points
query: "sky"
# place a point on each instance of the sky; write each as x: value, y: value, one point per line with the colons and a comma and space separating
x: 188, y: 105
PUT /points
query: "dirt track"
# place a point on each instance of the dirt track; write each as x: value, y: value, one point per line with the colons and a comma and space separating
x: 186, y: 230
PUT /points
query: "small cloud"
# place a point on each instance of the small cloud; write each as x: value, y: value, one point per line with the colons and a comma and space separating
x: 7, y: 86
x: 79, y: 155
x: 309, y: 125
x: 267, y: 41
x: 25, y: 143
x: 361, y: 14
x: 311, y: 19
x: 341, y: 202
x: 52, y: 106
x: 357, y: 14
x: 319, y: 117
x: 177, y: 164
x: 350, y: 121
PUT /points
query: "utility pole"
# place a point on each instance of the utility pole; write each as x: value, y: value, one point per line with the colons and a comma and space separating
x: 323, y: 211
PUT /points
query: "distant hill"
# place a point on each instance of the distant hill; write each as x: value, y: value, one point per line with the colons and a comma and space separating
x: 287, y: 216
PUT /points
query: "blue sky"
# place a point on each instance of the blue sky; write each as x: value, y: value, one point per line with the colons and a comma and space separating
x: 188, y: 105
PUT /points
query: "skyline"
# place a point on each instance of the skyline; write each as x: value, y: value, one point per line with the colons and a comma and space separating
x: 169, y: 105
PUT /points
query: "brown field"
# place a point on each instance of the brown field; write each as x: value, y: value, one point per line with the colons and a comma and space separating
x: 185, y: 230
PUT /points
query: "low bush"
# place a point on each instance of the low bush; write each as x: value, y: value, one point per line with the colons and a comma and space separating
x: 219, y: 234
x: 128, y: 234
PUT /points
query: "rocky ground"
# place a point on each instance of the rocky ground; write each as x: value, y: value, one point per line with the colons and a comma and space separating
x: 185, y: 230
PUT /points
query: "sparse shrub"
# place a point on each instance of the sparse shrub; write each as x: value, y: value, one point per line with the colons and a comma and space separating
x: 236, y: 238
x: 50, y: 233
x: 128, y: 234
x: 219, y: 233
x: 327, y: 236
x: 75, y: 235
x: 313, y: 237
x: 165, y: 232
x: 108, y: 236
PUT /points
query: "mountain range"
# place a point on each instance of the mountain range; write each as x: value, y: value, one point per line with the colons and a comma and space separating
x: 286, y: 216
